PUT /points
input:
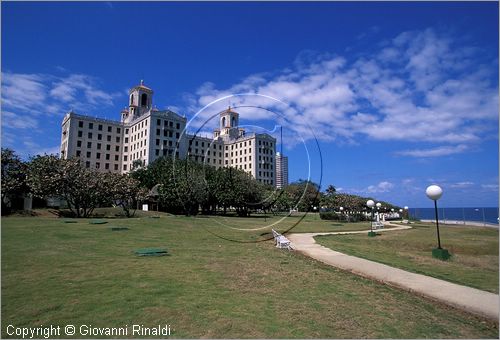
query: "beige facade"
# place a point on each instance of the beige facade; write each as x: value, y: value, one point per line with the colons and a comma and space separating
x: 146, y: 133
x: 281, y: 171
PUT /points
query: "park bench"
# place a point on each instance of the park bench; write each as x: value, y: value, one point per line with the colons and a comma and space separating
x: 281, y: 241
x: 378, y: 225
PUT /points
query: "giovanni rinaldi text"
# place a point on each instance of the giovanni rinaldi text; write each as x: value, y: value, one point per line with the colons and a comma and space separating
x: 47, y: 332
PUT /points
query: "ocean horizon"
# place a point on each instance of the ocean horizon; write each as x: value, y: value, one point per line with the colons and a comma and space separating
x: 474, y: 214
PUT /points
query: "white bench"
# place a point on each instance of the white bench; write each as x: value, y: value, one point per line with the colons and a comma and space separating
x: 378, y: 225
x: 281, y: 241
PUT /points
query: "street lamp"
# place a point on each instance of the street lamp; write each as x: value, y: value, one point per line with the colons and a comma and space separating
x: 401, y: 213
x: 370, y: 204
x: 378, y: 205
x: 407, y: 213
x: 341, y: 212
x: 434, y: 192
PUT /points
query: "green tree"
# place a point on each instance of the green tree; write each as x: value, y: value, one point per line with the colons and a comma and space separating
x: 83, y: 189
x: 304, y: 194
x: 125, y: 192
x: 13, y: 177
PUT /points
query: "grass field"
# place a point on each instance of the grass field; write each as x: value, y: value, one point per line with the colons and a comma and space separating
x: 79, y: 273
x: 474, y: 250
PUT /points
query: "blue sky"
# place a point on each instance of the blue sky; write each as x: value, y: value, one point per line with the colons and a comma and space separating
x: 398, y: 96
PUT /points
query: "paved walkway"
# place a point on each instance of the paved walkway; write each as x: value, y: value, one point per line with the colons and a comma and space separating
x: 469, y: 299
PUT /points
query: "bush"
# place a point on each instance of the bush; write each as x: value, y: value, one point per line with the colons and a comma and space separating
x: 333, y: 216
x: 329, y: 215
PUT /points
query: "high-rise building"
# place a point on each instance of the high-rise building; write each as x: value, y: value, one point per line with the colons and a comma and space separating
x: 281, y: 171
x: 146, y: 133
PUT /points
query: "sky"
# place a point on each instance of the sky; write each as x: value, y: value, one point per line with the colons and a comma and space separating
x: 379, y: 99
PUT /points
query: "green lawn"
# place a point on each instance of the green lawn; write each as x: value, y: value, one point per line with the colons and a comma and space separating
x: 79, y: 273
x: 474, y: 250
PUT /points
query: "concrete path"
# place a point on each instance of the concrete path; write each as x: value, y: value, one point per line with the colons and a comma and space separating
x: 469, y: 299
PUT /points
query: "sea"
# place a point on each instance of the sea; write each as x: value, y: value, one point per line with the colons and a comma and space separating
x: 484, y: 215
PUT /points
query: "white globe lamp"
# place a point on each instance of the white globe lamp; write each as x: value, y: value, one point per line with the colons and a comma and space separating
x: 434, y: 192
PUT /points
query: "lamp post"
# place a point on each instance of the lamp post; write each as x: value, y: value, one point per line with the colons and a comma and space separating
x: 341, y: 212
x: 401, y: 213
x: 407, y: 213
x: 434, y: 192
x: 370, y: 204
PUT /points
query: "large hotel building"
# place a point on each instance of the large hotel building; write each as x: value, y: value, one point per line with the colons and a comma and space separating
x: 146, y: 133
x: 281, y: 171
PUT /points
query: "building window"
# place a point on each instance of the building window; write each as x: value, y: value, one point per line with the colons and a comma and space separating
x: 116, y: 157
x: 78, y: 153
x: 108, y: 138
x: 91, y: 126
x: 99, y: 127
x: 158, y: 132
x: 99, y: 136
x: 125, y: 158
x: 97, y: 165
x: 89, y: 145
x: 126, y: 131
x: 106, y: 166
x: 98, y: 146
x: 80, y: 133
x: 117, y: 148
x: 80, y: 123
x: 116, y: 167
x: 107, y: 156
x: 109, y: 128
x: 126, y: 149
x: 118, y: 139
x: 157, y: 152
x: 79, y: 143
x: 108, y: 147
x: 89, y: 135
x: 158, y: 122
x: 176, y: 135
x: 87, y: 164
x: 88, y: 154
x: 98, y: 155
x: 118, y: 130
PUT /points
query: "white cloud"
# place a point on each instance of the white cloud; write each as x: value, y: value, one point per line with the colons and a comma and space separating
x: 492, y: 187
x: 30, y: 99
x: 381, y: 187
x: 434, y: 152
x: 462, y: 185
x: 23, y: 91
x: 420, y: 87
x: 39, y: 94
x: 12, y: 120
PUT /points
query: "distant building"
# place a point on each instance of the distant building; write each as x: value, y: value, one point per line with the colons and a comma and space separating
x: 146, y: 133
x: 281, y: 171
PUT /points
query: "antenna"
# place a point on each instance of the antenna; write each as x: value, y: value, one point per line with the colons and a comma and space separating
x: 281, y: 139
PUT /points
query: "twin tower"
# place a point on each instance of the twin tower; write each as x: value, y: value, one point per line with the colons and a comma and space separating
x: 141, y: 102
